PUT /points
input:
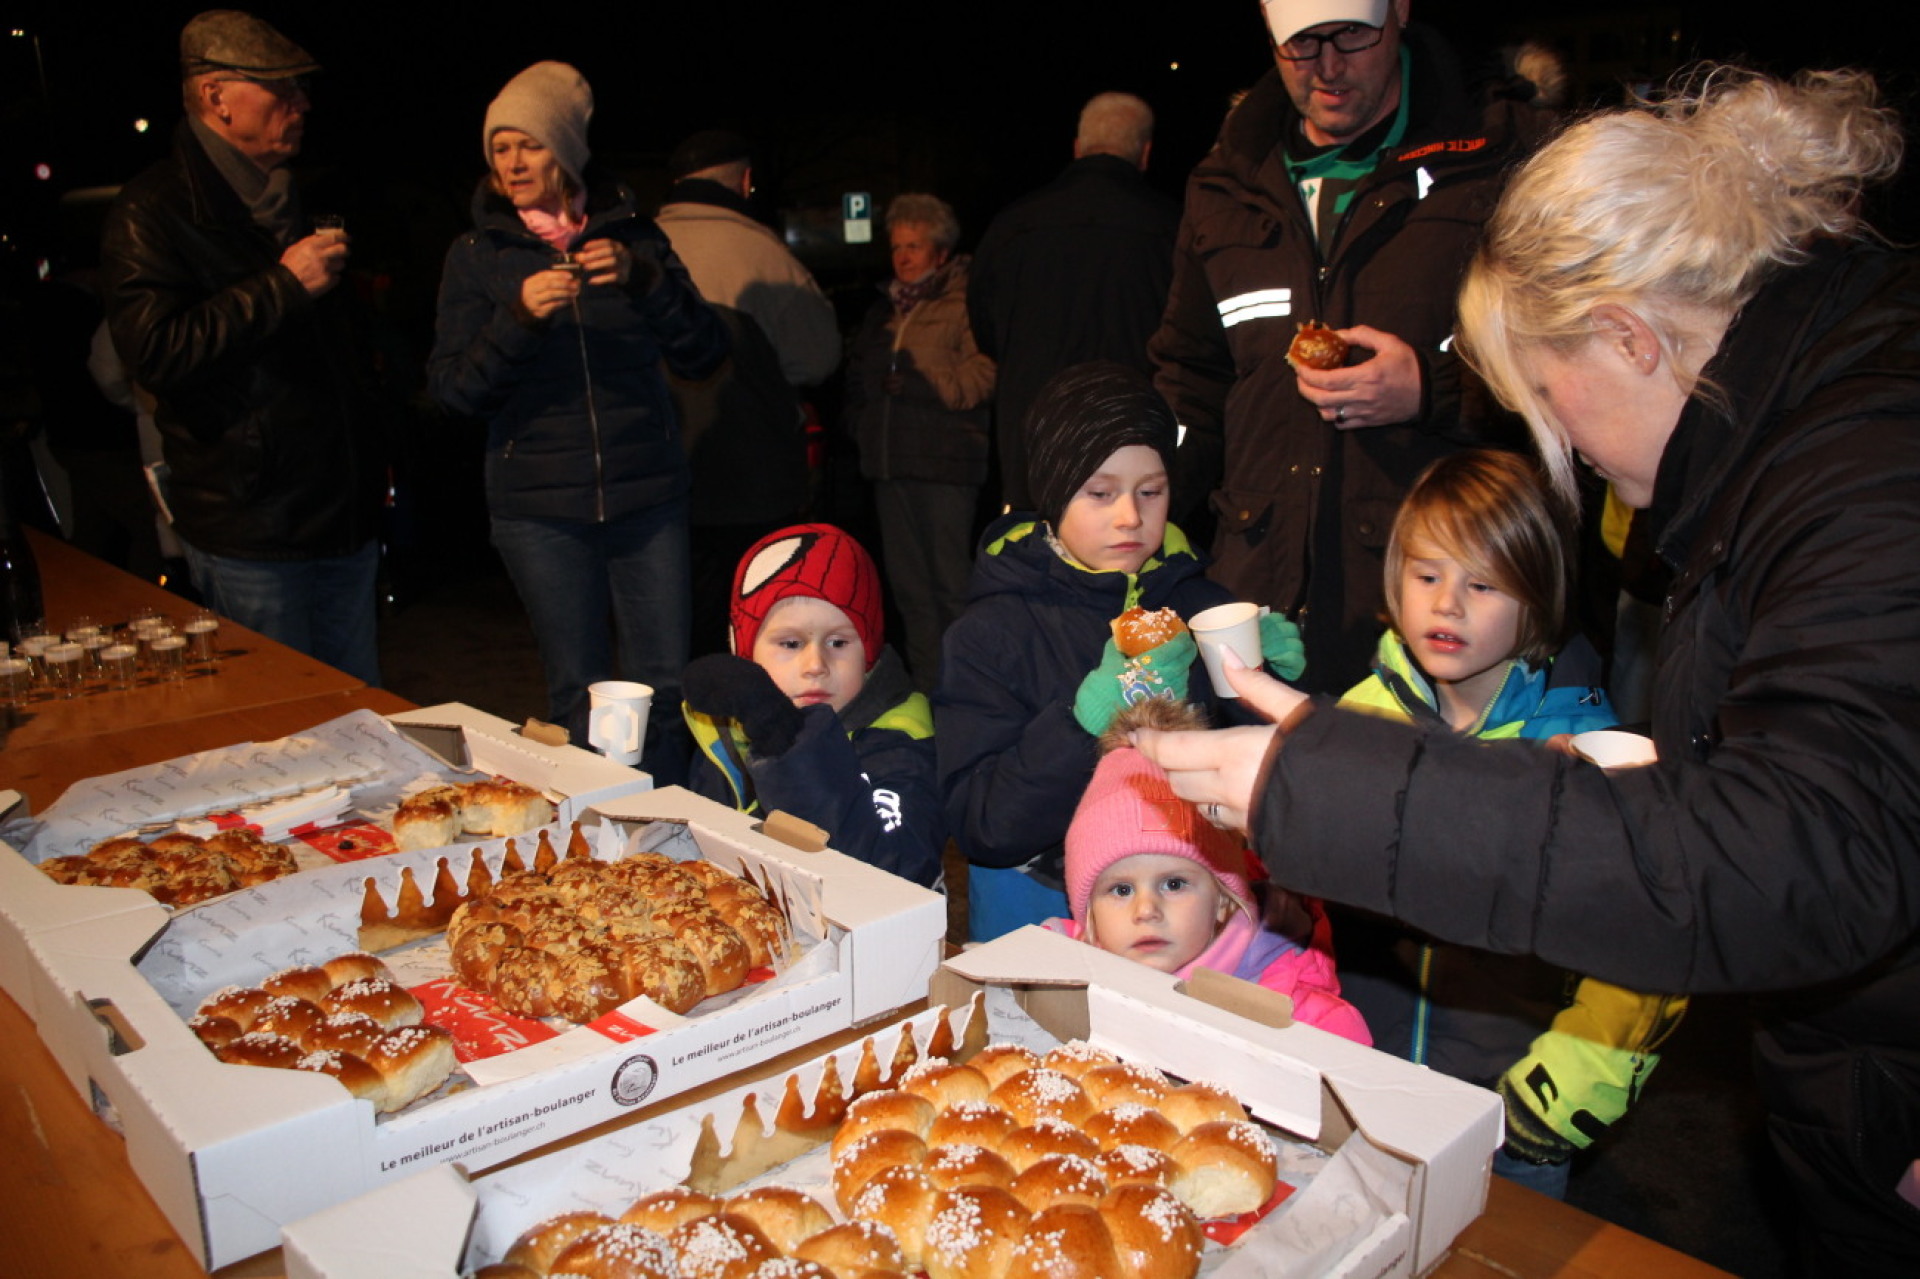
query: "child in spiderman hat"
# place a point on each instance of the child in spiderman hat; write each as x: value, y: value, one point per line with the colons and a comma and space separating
x: 812, y: 713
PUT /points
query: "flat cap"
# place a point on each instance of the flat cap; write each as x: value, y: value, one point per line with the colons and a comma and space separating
x: 229, y: 40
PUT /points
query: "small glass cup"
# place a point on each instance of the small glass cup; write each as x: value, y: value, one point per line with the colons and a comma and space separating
x: 203, y: 640
x: 16, y: 680
x: 169, y: 655
x: 64, y: 669
x: 120, y: 662
x: 82, y: 628
x: 92, y: 671
x: 34, y: 649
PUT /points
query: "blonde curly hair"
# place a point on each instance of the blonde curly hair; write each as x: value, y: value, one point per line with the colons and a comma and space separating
x: 1676, y: 210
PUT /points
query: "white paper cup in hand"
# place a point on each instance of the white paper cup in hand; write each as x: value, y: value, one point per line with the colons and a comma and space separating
x: 1224, y: 626
x: 617, y: 720
x: 1614, y: 748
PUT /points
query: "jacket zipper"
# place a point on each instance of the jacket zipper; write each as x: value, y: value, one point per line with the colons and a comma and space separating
x: 593, y: 419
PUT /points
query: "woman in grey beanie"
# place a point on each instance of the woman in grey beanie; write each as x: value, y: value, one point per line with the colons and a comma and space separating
x: 556, y: 312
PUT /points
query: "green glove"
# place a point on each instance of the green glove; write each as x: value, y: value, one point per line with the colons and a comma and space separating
x: 1528, y: 1138
x: 1574, y: 1088
x: 1120, y: 681
x: 1280, y: 646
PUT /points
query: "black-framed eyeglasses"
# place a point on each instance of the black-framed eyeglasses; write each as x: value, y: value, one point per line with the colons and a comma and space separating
x: 1355, y: 37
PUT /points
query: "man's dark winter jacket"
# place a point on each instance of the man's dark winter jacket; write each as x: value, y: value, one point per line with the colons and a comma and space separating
x: 269, y: 420
x: 1013, y: 760
x: 1304, y: 509
x: 579, y: 424
x: 1776, y: 844
x: 1075, y: 271
x: 865, y: 775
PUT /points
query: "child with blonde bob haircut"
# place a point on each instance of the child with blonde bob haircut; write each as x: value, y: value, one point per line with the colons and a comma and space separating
x: 1477, y: 586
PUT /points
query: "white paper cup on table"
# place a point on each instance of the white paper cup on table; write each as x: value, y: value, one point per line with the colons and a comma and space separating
x: 1224, y: 626
x: 1614, y: 748
x: 617, y: 720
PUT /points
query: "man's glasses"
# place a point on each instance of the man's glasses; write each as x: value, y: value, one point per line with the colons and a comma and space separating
x: 1355, y: 37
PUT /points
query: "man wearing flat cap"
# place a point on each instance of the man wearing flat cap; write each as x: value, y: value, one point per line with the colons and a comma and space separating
x: 1348, y: 187
x: 223, y: 302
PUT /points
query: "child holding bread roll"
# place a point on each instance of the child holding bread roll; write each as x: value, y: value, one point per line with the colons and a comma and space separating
x: 1476, y: 583
x: 1150, y: 879
x: 1032, y: 673
x: 812, y: 713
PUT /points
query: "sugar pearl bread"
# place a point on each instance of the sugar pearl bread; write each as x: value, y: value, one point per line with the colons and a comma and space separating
x: 1136, y: 1166
x: 1076, y: 1058
x: 945, y: 1084
x: 1060, y: 1179
x: 1223, y: 1168
x: 1194, y: 1104
x: 1124, y: 1082
x: 784, y: 1215
x: 972, y: 1124
x: 257, y: 1049
x: 414, y: 1060
x: 851, y: 1247
x: 1154, y: 1237
x: 878, y: 1111
x: 309, y: 982
x: 723, y: 1246
x: 901, y: 1198
x: 1024, y: 1147
x: 870, y: 1155
x: 1068, y: 1241
x: 973, y: 1233
x: 1132, y: 1125
x: 388, y: 1003
x: 1043, y: 1094
x: 790, y: 1268
x: 665, y: 1210
x: 352, y: 1072
x: 1000, y: 1062
x: 950, y: 1166
x: 618, y: 1252
x: 539, y: 1244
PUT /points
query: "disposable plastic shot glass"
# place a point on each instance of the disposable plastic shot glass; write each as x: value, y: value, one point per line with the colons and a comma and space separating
x: 203, y: 641
x: 169, y: 656
x: 121, y: 662
x: 16, y: 680
x: 64, y: 669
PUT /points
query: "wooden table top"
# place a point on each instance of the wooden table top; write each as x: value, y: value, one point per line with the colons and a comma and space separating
x: 74, y: 1207
x: 254, y: 672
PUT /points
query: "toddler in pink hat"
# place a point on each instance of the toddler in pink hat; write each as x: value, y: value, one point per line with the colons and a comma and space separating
x: 1149, y: 878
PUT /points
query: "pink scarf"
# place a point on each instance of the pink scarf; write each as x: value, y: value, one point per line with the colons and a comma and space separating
x: 557, y: 229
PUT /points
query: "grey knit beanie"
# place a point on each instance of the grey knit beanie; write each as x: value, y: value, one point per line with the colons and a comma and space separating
x: 1080, y: 419
x: 551, y: 103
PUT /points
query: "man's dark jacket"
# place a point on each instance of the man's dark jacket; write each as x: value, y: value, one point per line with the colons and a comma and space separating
x: 270, y: 424
x: 1075, y: 271
x: 1304, y: 509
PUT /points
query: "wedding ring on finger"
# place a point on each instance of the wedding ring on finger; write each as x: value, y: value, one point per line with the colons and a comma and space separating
x: 1340, y: 415
x: 1212, y: 813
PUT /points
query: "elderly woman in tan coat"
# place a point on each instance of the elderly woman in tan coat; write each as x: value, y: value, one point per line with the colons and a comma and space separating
x: 917, y: 394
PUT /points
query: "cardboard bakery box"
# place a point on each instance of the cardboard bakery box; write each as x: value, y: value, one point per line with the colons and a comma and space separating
x: 232, y: 1153
x: 358, y: 756
x: 1391, y: 1160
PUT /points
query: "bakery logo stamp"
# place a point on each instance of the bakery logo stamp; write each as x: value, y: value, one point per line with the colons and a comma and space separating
x: 350, y: 842
x: 634, y: 1078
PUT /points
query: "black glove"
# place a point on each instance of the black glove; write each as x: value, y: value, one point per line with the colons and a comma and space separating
x: 727, y: 687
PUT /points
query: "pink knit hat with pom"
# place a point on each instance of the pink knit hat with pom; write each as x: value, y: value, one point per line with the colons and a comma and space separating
x: 1130, y: 809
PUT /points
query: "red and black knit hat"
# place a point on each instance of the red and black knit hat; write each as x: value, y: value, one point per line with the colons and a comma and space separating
x: 813, y: 561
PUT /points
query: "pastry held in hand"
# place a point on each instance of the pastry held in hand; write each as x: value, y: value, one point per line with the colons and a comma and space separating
x: 1137, y: 630
x: 1315, y: 346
